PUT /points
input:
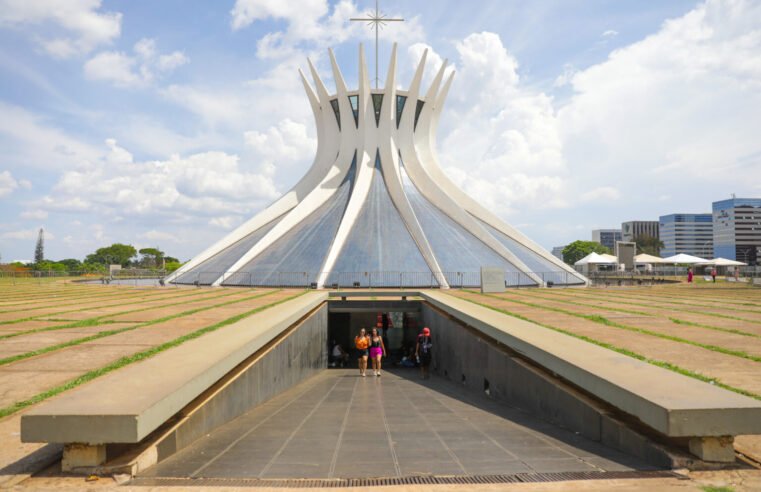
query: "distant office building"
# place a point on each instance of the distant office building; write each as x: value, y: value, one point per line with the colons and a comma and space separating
x: 690, y: 234
x: 607, y: 237
x: 633, y: 229
x: 557, y: 252
x: 737, y: 229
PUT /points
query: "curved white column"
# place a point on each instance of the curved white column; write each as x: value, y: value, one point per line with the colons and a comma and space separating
x: 366, y: 141
x: 433, y: 169
x: 430, y: 188
x: 389, y: 157
x: 327, y: 143
x: 321, y: 191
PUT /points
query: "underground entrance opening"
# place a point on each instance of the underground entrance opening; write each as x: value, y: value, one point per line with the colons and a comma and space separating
x: 397, y: 322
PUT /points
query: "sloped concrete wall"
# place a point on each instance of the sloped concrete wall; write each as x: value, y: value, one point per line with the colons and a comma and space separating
x: 461, y: 355
x: 299, y: 355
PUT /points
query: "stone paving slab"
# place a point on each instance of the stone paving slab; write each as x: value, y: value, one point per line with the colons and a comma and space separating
x: 35, y: 341
x: 731, y: 370
x: 49, y: 308
x: 671, y: 307
x: 129, y: 305
x: 20, y: 385
x: 662, y: 315
x: 339, y: 425
x: 29, y: 377
x: 29, y: 325
x: 667, y: 327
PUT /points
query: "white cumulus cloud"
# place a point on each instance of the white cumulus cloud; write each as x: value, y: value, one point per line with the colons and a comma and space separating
x: 681, y: 103
x: 500, y: 139
x: 7, y: 183
x: 34, y: 214
x: 26, y: 234
x: 312, y: 22
x: 71, y: 27
x: 180, y: 189
x: 138, y: 69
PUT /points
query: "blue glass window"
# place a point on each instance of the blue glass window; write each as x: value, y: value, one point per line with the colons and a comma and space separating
x: 400, y: 100
x: 297, y: 257
x: 213, y: 268
x: 418, y: 109
x: 336, y: 111
x: 539, y: 265
x: 379, y: 250
x: 459, y: 253
x: 377, y: 104
x: 354, y: 101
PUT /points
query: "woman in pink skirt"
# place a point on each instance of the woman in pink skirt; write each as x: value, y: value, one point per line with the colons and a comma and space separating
x: 377, y: 350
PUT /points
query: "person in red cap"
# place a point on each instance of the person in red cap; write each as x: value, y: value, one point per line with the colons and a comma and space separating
x: 423, y: 351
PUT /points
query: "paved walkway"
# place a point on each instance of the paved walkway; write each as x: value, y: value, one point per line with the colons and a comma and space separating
x: 340, y: 425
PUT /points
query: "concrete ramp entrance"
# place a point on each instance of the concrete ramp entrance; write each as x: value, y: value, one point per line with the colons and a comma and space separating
x: 340, y: 425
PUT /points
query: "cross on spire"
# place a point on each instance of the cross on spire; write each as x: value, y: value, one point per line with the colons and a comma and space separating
x: 376, y: 20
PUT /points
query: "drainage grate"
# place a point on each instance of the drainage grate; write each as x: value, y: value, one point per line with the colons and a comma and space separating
x: 412, y: 480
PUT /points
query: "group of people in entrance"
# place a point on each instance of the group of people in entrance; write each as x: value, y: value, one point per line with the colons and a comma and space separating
x: 372, y: 346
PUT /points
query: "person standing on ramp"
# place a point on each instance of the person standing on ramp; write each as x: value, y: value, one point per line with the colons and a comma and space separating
x: 377, y: 350
x: 362, y: 341
x: 423, y: 351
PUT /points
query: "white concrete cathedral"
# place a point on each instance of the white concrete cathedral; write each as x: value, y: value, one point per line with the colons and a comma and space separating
x: 375, y: 209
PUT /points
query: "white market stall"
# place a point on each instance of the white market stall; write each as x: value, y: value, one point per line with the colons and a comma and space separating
x: 595, y: 262
x: 645, y: 262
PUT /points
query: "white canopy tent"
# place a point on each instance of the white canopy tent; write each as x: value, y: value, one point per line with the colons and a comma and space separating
x: 595, y: 262
x: 722, y: 262
x: 645, y: 259
x: 597, y: 259
x: 684, y: 259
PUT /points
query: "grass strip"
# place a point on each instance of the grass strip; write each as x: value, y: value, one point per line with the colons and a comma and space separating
x: 98, y: 320
x: 130, y: 301
x: 717, y: 328
x: 565, y: 300
x: 65, y: 295
x: 135, y: 296
x: 70, y: 291
x: 627, y: 352
x: 108, y: 333
x: 130, y: 359
x: 605, y: 321
x: 655, y: 299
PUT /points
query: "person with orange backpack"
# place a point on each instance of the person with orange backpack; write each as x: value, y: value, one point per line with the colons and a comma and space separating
x: 362, y: 342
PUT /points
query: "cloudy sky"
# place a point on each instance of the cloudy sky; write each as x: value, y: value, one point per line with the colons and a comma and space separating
x: 169, y: 123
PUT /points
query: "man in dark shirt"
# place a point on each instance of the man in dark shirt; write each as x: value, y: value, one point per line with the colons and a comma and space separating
x: 423, y: 351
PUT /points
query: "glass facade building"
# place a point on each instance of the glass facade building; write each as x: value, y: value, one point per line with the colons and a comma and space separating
x: 691, y: 234
x: 737, y: 230
x: 607, y: 237
x: 633, y: 229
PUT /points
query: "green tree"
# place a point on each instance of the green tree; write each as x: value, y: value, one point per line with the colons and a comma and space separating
x: 649, y: 245
x: 47, y: 266
x: 151, y: 257
x: 39, y: 248
x: 172, y: 266
x: 71, y: 264
x: 117, y: 253
x: 579, y: 249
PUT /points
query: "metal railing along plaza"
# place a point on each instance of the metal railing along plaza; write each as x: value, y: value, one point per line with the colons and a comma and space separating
x: 368, y: 279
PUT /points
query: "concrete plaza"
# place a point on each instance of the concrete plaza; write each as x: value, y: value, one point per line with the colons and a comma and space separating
x: 53, y: 334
